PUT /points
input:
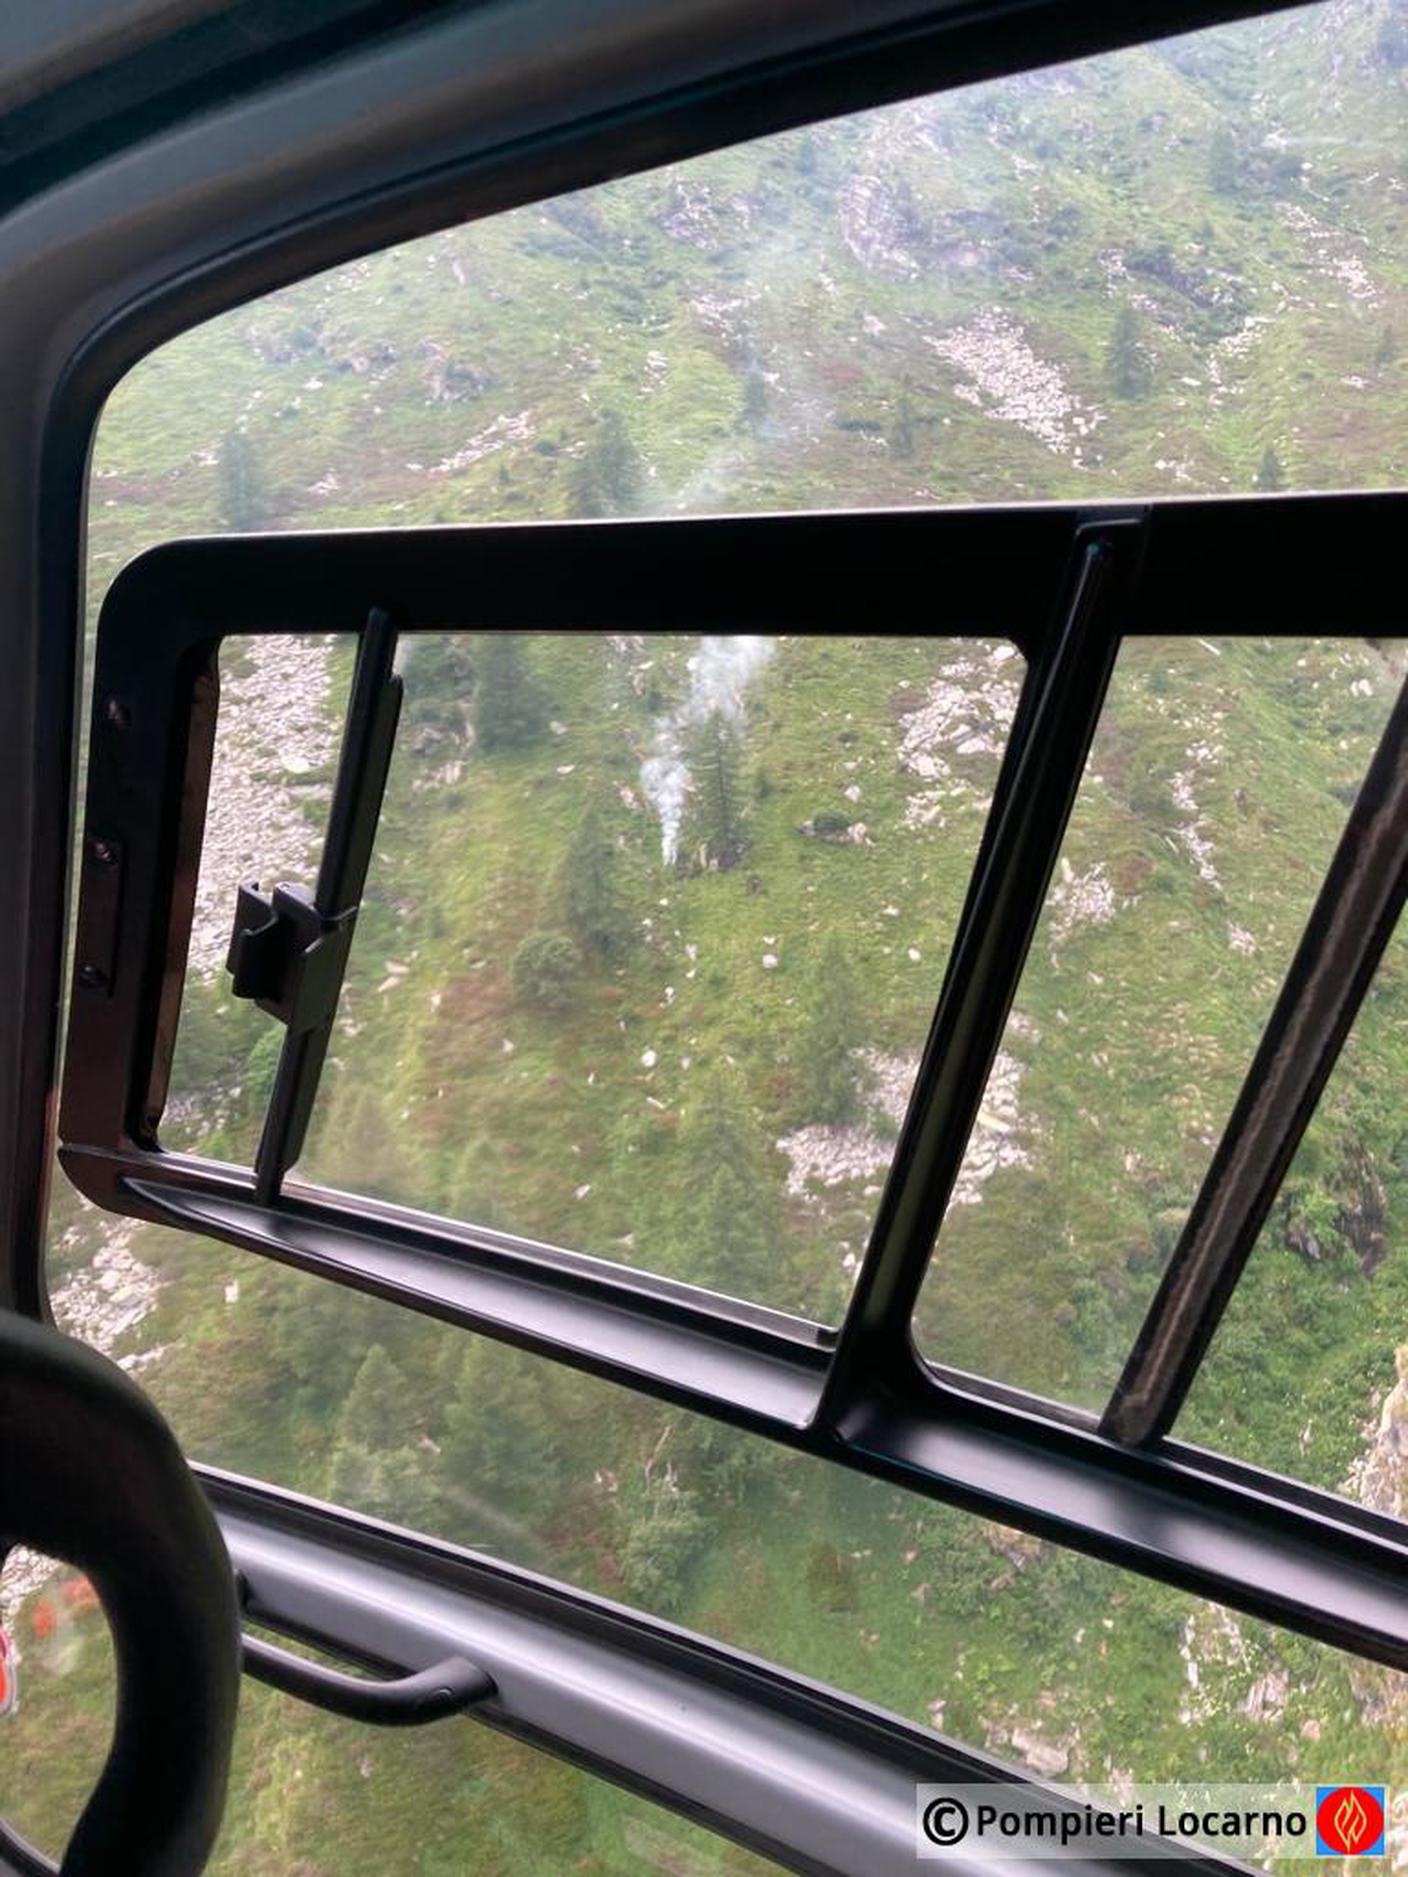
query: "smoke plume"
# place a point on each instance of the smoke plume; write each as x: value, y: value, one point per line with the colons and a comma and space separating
x: 719, y: 675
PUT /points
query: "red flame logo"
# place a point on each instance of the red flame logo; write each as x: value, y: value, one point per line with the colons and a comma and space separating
x: 1349, y: 1820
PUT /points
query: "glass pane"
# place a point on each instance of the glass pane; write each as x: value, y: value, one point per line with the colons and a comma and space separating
x: 652, y: 937
x: 1308, y: 1372
x: 56, y: 1713
x: 1070, y: 1668
x: 318, y: 1796
x: 1149, y: 273
x: 1215, y: 791
x: 282, y: 702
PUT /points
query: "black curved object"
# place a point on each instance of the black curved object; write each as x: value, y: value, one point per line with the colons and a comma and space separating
x: 446, y: 1688
x: 90, y: 1473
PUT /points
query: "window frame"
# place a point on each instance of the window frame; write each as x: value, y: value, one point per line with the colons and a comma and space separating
x: 1064, y: 583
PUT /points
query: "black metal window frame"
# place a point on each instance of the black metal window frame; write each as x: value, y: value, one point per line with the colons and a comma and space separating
x: 1066, y: 585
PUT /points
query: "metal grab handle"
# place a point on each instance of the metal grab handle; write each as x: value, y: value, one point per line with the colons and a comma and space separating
x: 410, y: 1701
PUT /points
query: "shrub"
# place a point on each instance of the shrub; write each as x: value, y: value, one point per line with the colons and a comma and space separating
x: 544, y: 970
x: 831, y: 821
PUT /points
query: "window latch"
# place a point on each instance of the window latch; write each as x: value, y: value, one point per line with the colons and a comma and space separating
x: 287, y: 956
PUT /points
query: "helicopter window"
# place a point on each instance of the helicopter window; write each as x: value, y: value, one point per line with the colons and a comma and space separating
x: 610, y: 1154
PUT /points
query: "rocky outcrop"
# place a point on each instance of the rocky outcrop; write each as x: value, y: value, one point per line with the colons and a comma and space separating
x: 954, y: 736
x: 1004, y: 377
x: 276, y: 736
x: 1380, y: 1478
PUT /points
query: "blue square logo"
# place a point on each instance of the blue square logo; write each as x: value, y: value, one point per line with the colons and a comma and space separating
x: 1349, y: 1821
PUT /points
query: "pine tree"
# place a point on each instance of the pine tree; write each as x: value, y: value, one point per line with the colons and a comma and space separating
x: 596, y: 913
x: 356, y: 1147
x: 902, y: 437
x: 481, y: 1189
x: 378, y: 1413
x: 1270, y: 474
x: 1224, y: 163
x: 755, y: 400
x: 829, y: 1075
x: 727, y: 1230
x: 1127, y: 362
x: 502, y: 1440
x: 717, y: 811
x: 509, y: 707
x: 606, y: 477
x: 665, y: 1528
x: 376, y: 1465
x: 244, y: 496
x: 315, y: 1338
x: 439, y: 675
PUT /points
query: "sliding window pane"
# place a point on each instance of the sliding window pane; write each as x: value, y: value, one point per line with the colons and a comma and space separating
x: 282, y: 703
x: 652, y: 938
x: 421, y: 1802
x: 1216, y: 788
x: 1308, y: 1372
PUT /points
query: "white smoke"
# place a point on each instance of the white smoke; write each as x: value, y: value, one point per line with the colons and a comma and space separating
x: 719, y: 674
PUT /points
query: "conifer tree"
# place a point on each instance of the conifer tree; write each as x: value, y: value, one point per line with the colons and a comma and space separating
x: 480, y: 1186
x: 1127, y: 362
x: 244, y: 496
x: 717, y: 811
x: 357, y: 1148
x: 606, y: 477
x: 503, y: 1436
x: 664, y: 1528
x: 544, y: 970
x: 902, y: 428
x: 595, y: 911
x: 314, y: 1342
x: 728, y: 1226
x: 378, y: 1412
x: 439, y: 678
x: 509, y: 707
x: 376, y: 1465
x: 829, y: 1076
x: 755, y: 399
x: 1224, y: 163
x: 1270, y: 474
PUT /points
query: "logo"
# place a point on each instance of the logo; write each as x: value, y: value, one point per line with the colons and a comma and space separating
x: 9, y: 1684
x: 945, y: 1820
x: 1349, y: 1821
